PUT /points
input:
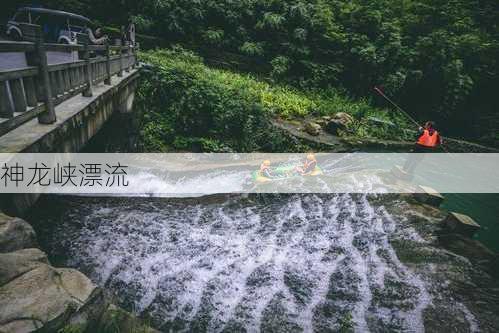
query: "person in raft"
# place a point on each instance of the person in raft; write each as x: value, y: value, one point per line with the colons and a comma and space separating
x: 428, y: 140
x: 308, y: 165
x: 265, y: 169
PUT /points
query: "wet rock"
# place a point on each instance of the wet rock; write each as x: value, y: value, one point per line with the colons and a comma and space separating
x: 299, y: 286
x: 395, y: 294
x: 345, y: 284
x: 321, y: 122
x: 446, y: 318
x: 276, y: 317
x: 43, y: 297
x: 429, y: 196
x: 312, y: 128
x: 15, y: 234
x: 338, y: 122
x: 14, y: 264
x: 344, y: 117
x: 330, y: 316
x: 335, y: 125
x: 472, y: 249
x: 261, y: 276
x: 116, y: 319
x: 461, y: 224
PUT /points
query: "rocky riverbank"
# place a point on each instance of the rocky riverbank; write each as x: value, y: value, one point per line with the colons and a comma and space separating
x: 38, y: 297
x: 339, y: 133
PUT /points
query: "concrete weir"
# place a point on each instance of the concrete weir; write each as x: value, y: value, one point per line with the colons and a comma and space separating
x: 78, y: 119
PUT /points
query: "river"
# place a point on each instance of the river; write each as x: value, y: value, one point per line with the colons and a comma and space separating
x: 278, y: 263
x: 484, y: 208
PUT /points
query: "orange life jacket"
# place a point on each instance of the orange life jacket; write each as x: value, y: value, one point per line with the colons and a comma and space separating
x: 429, y: 140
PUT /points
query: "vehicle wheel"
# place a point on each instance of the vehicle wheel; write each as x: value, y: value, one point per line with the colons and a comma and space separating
x: 15, y: 35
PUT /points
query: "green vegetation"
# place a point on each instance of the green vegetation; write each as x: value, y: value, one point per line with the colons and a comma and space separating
x: 116, y: 320
x: 188, y: 105
x: 438, y: 58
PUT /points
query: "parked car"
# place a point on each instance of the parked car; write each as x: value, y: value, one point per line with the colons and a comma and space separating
x: 57, y: 26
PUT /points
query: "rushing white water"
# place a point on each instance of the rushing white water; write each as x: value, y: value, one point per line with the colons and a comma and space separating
x: 267, y: 263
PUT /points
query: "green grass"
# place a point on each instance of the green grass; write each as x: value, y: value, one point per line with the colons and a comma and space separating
x: 221, y: 110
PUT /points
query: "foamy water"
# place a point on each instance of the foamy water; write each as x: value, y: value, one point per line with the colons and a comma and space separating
x: 269, y: 263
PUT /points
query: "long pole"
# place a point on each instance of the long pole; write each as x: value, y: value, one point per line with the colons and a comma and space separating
x: 402, y: 110
x: 395, y: 104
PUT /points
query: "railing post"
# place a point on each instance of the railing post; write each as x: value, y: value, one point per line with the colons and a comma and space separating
x: 6, y: 108
x: 133, y: 56
x: 136, y: 58
x: 127, y: 67
x: 108, y: 64
x: 87, y: 92
x: 40, y: 60
x: 120, y: 73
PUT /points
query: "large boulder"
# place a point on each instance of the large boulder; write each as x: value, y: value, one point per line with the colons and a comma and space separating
x: 335, y: 125
x: 15, y: 264
x: 45, y: 297
x: 344, y: 117
x: 15, y: 234
x: 461, y: 224
x: 339, y: 121
x: 429, y: 196
x: 313, y: 128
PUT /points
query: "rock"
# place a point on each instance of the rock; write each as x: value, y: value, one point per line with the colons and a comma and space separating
x: 116, y: 319
x: 14, y: 264
x: 344, y: 117
x: 334, y: 125
x: 43, y: 297
x: 313, y: 128
x: 429, y: 196
x: 472, y: 249
x: 461, y: 224
x: 15, y: 234
x: 339, y: 121
x: 89, y: 316
x: 323, y: 121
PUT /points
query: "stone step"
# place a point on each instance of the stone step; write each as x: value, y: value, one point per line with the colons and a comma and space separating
x: 461, y: 224
x: 429, y: 196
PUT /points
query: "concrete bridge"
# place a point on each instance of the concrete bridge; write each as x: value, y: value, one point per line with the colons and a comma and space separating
x: 57, y: 107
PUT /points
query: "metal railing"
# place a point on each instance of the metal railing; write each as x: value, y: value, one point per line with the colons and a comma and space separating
x: 35, y: 90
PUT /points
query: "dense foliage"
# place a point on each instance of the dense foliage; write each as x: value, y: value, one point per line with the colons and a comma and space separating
x: 438, y: 58
x: 188, y: 105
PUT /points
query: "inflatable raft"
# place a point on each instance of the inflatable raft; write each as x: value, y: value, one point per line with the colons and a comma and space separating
x: 283, y: 172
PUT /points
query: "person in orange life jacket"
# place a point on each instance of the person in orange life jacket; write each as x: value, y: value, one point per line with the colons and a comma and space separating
x: 427, y: 141
x: 308, y: 166
x: 265, y: 169
x: 428, y: 138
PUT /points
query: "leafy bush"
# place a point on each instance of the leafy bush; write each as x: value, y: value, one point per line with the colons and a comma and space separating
x: 251, y: 49
x: 439, y: 58
x: 189, y: 106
